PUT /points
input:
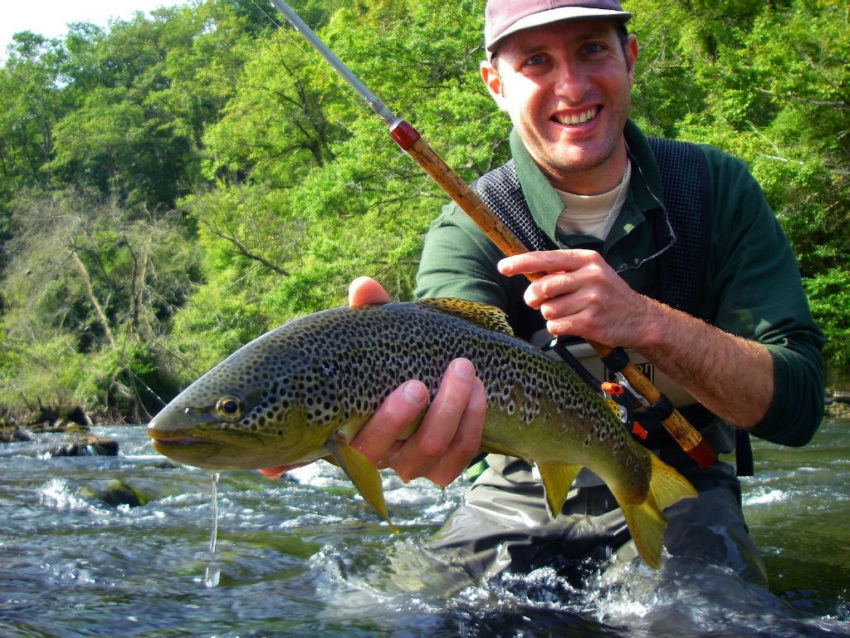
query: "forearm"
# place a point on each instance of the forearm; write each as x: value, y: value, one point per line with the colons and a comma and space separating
x: 731, y: 376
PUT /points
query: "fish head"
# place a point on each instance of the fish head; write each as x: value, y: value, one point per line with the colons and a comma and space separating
x: 264, y: 406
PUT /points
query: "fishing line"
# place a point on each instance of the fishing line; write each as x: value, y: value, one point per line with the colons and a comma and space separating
x: 147, y: 387
x: 265, y: 13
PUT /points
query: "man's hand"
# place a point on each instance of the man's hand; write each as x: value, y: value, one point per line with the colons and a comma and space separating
x: 581, y: 295
x: 449, y: 435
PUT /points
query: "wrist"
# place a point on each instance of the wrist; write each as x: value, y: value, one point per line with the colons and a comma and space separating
x: 658, y: 329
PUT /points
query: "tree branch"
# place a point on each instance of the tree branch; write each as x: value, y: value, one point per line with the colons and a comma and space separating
x: 90, y: 290
x: 243, y: 250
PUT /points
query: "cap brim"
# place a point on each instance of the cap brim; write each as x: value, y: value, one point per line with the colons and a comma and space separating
x: 561, y: 14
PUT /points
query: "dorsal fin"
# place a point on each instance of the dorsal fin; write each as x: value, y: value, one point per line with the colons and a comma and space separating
x: 488, y: 317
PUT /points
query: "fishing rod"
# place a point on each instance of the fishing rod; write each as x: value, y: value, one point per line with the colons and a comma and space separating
x: 411, y: 142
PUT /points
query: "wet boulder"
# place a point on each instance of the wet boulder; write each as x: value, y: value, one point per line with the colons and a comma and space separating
x: 116, y: 492
x: 13, y: 434
x: 86, y: 446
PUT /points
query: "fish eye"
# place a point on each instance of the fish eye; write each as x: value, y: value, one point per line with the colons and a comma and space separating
x: 229, y: 408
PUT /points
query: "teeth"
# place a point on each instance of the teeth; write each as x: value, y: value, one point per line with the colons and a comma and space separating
x: 581, y: 118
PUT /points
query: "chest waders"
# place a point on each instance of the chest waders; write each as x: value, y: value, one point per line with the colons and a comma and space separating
x: 687, y: 193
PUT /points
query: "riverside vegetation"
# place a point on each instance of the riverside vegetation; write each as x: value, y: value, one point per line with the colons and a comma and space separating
x: 181, y: 182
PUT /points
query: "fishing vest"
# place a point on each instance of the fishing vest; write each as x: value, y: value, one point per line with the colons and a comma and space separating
x: 686, y: 188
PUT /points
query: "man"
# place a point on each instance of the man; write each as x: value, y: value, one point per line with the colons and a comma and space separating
x: 562, y: 70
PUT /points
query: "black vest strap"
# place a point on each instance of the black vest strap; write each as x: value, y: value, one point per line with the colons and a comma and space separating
x: 501, y: 191
x: 684, y: 176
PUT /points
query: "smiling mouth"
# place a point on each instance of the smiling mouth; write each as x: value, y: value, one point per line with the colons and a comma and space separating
x: 578, y: 118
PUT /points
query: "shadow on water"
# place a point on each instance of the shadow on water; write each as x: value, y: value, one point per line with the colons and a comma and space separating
x: 308, y: 558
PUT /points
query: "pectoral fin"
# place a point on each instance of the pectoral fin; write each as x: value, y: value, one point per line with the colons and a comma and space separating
x: 557, y: 479
x: 362, y: 473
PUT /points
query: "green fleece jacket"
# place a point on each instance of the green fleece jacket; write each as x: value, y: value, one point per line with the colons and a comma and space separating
x: 752, y: 285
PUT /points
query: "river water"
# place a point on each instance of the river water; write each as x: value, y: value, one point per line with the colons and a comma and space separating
x: 309, y: 558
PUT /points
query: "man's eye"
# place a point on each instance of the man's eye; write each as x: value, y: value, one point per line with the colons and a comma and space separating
x: 534, y: 60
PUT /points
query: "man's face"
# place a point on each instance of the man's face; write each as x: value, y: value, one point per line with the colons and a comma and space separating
x: 566, y: 87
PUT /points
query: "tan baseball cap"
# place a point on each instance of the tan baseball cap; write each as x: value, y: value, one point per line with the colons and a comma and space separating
x: 505, y: 17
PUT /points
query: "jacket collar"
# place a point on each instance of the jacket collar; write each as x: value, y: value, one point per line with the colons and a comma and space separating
x: 546, y: 205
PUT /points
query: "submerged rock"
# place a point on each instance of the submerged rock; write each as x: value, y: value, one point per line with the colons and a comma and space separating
x: 88, y: 446
x: 115, y: 493
x: 13, y: 434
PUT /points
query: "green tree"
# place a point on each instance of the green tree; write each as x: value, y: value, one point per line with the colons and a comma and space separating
x: 311, y: 190
x: 780, y: 100
x: 32, y: 100
x: 100, y: 283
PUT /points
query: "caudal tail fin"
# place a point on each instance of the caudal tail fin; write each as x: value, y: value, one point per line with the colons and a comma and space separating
x: 645, y: 520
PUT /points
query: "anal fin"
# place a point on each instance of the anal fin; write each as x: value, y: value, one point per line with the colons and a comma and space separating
x: 557, y: 479
x: 362, y: 473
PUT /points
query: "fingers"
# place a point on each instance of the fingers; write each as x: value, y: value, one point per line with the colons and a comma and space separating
x: 378, y: 439
x: 364, y: 291
x: 545, y: 261
x: 580, y: 295
x: 466, y: 443
x: 274, y: 473
x: 448, y: 437
x: 450, y: 434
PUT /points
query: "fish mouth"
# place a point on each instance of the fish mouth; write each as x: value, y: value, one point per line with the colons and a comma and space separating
x: 163, y: 439
x: 218, y: 451
x: 188, y: 449
x: 168, y: 439
x: 207, y: 453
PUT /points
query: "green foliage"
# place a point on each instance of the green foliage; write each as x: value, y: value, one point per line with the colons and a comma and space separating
x: 90, y: 281
x: 782, y: 103
x: 277, y: 125
x: 178, y: 185
x: 31, y: 103
x: 829, y: 295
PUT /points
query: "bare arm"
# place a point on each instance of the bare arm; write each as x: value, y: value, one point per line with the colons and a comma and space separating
x: 729, y: 375
x: 583, y: 296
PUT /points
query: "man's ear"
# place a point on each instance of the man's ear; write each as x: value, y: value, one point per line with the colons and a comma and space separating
x: 631, y: 50
x: 493, y: 82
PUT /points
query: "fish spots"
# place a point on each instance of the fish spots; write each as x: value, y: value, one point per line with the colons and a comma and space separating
x: 338, y: 366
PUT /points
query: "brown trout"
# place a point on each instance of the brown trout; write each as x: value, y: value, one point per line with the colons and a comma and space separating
x: 302, y: 391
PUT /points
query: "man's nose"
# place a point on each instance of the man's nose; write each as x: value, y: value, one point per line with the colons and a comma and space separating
x: 571, y: 82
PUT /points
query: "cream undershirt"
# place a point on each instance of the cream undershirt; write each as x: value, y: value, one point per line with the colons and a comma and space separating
x: 593, y: 215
